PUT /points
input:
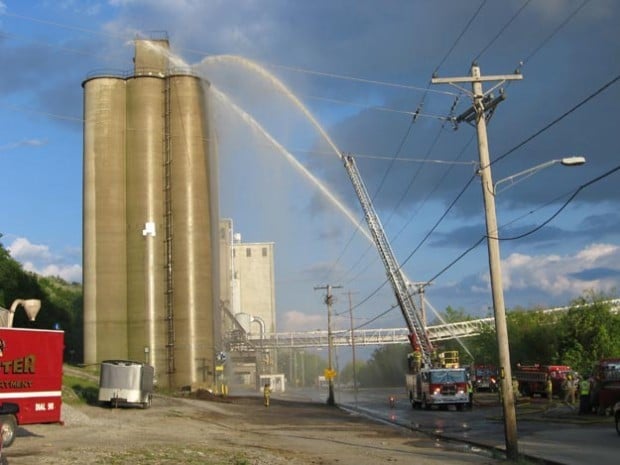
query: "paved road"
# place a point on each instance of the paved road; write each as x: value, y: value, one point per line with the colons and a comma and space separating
x: 554, y: 433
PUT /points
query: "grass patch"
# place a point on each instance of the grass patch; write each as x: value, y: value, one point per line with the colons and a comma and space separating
x: 78, y: 390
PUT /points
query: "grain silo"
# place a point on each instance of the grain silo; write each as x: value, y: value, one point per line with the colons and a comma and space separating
x: 165, y: 286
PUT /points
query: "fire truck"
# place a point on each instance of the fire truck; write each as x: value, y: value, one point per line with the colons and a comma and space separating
x: 30, y: 373
x: 484, y: 378
x: 607, y: 383
x: 532, y: 378
x: 432, y: 380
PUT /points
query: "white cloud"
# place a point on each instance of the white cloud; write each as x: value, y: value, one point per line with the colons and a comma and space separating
x: 298, y: 321
x: 22, y: 249
x: 23, y: 143
x: 560, y: 274
x: 37, y: 258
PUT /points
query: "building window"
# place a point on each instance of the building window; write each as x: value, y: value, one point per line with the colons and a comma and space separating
x: 264, y: 251
x: 248, y: 252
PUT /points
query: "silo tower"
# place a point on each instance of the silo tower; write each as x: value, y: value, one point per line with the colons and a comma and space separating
x: 150, y: 219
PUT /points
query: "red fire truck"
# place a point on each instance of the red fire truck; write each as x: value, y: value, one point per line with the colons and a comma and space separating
x: 607, y: 383
x: 484, y: 378
x: 532, y: 378
x: 30, y: 378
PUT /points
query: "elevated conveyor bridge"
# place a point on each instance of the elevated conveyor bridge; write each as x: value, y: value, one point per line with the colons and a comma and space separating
x: 363, y: 337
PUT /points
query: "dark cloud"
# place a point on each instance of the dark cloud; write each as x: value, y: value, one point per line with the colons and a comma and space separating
x: 596, y: 274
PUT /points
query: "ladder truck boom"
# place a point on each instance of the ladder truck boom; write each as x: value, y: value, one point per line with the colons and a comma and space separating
x: 418, y: 336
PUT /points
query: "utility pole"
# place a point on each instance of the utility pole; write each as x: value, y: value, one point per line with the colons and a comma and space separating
x: 421, y: 287
x: 483, y: 104
x: 329, y: 300
x: 353, y: 349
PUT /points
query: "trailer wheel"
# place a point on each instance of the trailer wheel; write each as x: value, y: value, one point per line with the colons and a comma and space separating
x: 8, y: 427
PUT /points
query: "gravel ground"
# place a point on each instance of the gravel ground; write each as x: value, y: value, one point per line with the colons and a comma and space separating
x: 240, y: 432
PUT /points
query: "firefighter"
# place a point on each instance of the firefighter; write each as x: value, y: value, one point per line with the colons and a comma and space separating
x: 417, y: 361
x: 266, y: 394
x: 515, y: 388
x: 569, y: 390
x: 584, y: 395
x: 470, y: 394
x: 549, y: 389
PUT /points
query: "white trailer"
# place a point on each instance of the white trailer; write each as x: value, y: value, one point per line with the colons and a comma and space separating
x: 126, y: 383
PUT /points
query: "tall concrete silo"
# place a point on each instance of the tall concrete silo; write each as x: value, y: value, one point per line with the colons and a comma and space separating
x: 104, y: 257
x: 169, y: 216
x: 145, y: 220
x: 192, y: 225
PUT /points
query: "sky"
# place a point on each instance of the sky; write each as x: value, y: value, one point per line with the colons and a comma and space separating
x: 362, y: 69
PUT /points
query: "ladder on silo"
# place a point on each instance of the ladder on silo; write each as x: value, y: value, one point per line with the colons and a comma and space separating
x: 170, y: 335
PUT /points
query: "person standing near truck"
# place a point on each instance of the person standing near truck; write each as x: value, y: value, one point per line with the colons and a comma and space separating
x: 549, y: 388
x: 584, y: 395
x: 267, y: 394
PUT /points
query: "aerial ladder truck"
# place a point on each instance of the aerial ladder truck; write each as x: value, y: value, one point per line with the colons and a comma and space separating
x: 432, y: 379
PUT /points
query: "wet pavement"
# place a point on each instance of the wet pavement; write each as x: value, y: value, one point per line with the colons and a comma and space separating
x: 554, y: 432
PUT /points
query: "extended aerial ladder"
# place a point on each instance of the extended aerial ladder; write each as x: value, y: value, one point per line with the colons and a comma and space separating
x: 417, y: 332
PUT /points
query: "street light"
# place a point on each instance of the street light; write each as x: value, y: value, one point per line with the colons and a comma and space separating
x: 521, y: 175
x: 497, y: 290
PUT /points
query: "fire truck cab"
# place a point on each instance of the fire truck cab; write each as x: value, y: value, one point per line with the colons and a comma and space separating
x: 484, y: 378
x: 445, y: 384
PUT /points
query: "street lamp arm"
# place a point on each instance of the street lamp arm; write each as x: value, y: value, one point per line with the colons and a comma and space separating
x: 521, y: 175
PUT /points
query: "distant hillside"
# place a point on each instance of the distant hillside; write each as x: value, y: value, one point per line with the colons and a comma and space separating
x: 61, y: 302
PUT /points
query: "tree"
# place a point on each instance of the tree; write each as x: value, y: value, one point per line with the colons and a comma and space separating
x: 61, y: 303
x: 386, y: 366
x: 588, y: 332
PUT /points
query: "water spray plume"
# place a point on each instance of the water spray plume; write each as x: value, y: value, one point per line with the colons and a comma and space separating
x: 279, y: 85
x: 256, y: 126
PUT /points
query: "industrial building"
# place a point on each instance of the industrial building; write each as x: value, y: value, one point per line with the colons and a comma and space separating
x: 248, y: 304
x: 150, y: 220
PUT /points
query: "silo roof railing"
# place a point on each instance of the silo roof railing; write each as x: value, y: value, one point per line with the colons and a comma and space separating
x: 157, y: 72
x: 115, y: 73
x: 182, y: 70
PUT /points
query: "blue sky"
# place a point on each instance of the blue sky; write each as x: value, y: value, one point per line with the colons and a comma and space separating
x: 362, y: 68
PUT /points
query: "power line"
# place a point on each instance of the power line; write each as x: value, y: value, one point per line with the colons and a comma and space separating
x: 420, y: 105
x: 460, y: 36
x: 501, y: 31
x: 558, y: 119
x: 570, y: 199
x: 555, y: 31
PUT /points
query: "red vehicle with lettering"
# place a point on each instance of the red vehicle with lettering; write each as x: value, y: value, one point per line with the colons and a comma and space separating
x: 532, y: 378
x: 30, y: 378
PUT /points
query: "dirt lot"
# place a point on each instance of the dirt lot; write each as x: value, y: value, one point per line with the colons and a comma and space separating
x: 242, y: 432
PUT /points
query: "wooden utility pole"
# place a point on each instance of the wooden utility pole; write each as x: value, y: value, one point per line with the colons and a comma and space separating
x: 329, y: 299
x: 482, y: 104
x: 353, y: 349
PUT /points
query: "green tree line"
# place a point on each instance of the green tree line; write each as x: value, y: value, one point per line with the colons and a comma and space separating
x: 587, y: 332
x: 61, y: 302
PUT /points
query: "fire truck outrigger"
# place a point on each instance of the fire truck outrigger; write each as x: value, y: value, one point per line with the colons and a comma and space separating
x: 433, y: 379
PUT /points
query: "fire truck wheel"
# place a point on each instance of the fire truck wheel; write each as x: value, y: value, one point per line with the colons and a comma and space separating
x: 8, y: 428
x: 425, y: 405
